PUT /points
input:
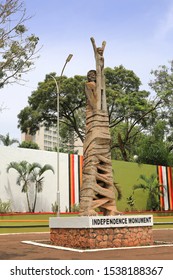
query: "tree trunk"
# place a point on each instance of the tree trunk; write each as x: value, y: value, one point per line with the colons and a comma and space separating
x: 27, y: 197
x: 35, y: 200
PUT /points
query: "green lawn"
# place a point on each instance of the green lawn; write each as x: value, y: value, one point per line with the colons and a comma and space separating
x: 25, y: 223
x: 166, y: 220
x: 24, y: 230
x: 40, y: 222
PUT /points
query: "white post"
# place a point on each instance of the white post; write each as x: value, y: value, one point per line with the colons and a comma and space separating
x: 58, y: 93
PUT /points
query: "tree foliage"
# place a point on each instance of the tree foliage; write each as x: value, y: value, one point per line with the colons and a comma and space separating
x: 127, y: 105
x: 130, y: 110
x: 152, y: 148
x: 7, y: 141
x: 134, y: 114
x: 17, y: 48
x: 42, y: 108
x: 162, y: 85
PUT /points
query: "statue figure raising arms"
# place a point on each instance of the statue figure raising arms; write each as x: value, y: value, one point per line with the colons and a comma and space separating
x: 97, y: 189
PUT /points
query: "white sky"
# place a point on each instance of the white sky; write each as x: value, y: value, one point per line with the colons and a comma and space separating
x: 139, y: 35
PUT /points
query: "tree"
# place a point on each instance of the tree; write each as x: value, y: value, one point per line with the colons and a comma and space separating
x: 162, y: 85
x: 18, y: 49
x: 130, y: 110
x: 156, y: 153
x: 30, y: 176
x: 24, y: 170
x: 42, y: 107
x: 152, y: 186
x: 38, y: 179
x: 7, y: 141
x: 152, y: 148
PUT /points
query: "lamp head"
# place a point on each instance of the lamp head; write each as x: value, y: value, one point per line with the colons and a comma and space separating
x: 69, y: 57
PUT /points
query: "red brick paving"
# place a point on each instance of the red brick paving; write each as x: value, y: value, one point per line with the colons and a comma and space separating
x: 12, y: 248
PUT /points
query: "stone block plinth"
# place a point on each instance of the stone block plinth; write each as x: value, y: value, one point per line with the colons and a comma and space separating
x: 101, y: 231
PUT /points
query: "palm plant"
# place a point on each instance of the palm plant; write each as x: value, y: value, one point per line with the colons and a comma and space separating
x: 24, y: 170
x: 7, y: 141
x: 37, y: 179
x: 30, y: 175
x: 152, y: 186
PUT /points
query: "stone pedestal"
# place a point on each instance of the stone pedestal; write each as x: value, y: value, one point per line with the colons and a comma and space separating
x: 101, y: 231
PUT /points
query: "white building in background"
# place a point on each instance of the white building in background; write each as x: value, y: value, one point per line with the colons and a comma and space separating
x: 46, y: 139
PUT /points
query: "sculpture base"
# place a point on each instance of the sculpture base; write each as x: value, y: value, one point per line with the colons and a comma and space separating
x: 101, y: 231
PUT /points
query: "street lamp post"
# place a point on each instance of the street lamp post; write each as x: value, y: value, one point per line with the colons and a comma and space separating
x: 58, y: 93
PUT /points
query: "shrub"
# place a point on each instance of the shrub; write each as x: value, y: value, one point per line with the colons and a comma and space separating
x: 75, y: 208
x: 5, y: 207
x: 54, y: 207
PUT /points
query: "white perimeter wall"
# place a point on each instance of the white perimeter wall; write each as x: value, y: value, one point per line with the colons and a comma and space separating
x: 9, y: 190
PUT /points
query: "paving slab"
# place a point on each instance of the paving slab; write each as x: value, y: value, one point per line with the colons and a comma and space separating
x: 13, y: 248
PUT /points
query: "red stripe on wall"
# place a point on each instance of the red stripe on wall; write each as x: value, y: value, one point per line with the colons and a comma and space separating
x: 161, y: 186
x: 170, y: 187
x: 72, y: 180
x: 81, y: 167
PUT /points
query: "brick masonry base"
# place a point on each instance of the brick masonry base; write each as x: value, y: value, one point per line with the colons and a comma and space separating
x: 97, y: 238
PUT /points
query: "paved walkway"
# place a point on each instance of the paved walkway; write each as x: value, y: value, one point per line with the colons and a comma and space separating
x: 12, y: 248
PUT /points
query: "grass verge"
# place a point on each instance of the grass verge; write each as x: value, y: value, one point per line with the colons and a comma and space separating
x: 40, y: 222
